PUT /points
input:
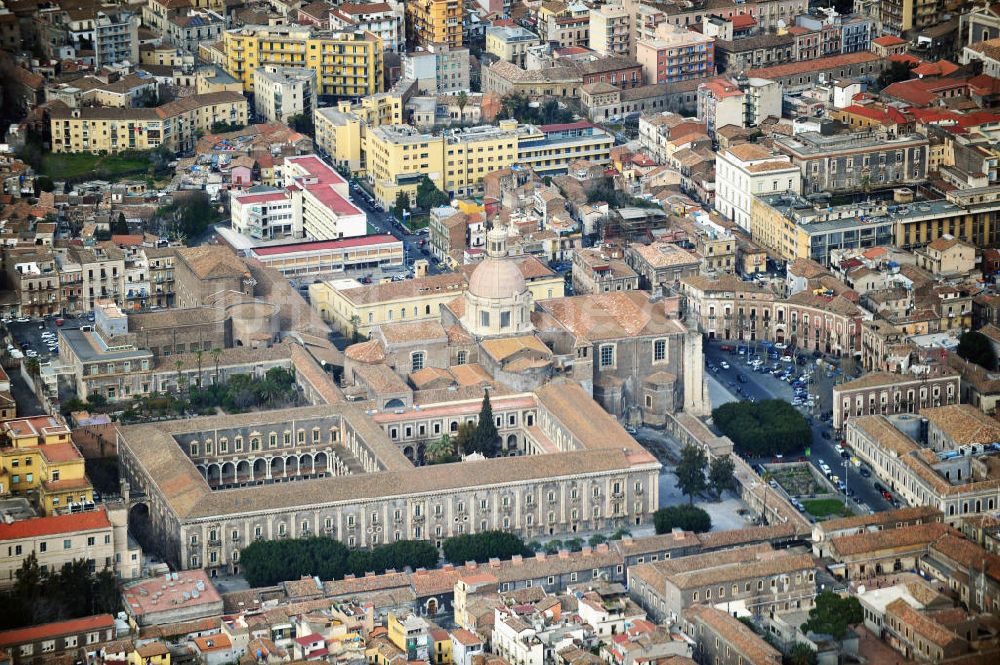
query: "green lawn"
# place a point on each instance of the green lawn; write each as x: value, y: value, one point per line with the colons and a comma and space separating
x: 82, y: 165
x: 820, y: 508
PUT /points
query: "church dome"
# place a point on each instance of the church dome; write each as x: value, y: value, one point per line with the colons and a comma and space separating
x: 497, y: 278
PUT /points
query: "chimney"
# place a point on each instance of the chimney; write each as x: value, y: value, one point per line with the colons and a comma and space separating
x: 563, y: 554
x: 586, y: 550
x: 517, y: 559
x: 602, y: 548
x: 540, y: 556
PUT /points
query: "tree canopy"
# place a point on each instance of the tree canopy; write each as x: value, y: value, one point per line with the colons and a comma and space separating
x: 517, y: 106
x: 429, y: 196
x: 40, y: 596
x: 763, y: 428
x: 976, y: 347
x: 268, y: 562
x: 690, y: 471
x: 481, y: 547
x: 485, y: 439
x: 689, y: 518
x: 831, y: 615
x: 720, y: 475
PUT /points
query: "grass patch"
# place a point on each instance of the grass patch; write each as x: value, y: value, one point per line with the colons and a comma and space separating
x: 60, y: 166
x: 820, y: 508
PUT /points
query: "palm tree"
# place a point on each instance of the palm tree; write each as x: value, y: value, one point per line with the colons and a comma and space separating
x: 216, y: 356
x: 440, y: 449
x: 355, y: 322
x: 199, y: 354
x: 178, y: 364
x: 462, y: 101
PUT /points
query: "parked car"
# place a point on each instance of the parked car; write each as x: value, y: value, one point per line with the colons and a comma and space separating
x: 887, y: 495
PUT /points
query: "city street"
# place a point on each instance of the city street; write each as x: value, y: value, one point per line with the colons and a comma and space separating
x: 761, y: 386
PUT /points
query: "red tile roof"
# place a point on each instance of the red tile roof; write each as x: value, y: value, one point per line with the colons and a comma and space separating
x: 939, y: 68
x: 817, y: 65
x: 888, y: 40
x: 58, y: 524
x: 743, y: 21
x: 11, y: 638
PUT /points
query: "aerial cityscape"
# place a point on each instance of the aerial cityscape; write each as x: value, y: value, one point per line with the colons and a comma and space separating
x: 499, y: 332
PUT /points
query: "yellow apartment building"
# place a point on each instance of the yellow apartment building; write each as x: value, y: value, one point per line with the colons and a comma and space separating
x: 176, y: 125
x: 435, y: 21
x: 37, y: 456
x: 396, y: 157
x: 340, y: 130
x: 347, y: 64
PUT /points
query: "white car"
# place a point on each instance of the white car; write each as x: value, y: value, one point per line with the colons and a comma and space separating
x: 724, y: 365
x: 24, y: 319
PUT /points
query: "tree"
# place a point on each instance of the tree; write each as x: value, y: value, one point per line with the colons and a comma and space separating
x: 303, y: 123
x: 690, y: 471
x: 178, y: 364
x: 832, y: 615
x: 800, y: 654
x: 481, y: 547
x: 120, y: 227
x: 763, y: 428
x: 429, y: 196
x: 486, y: 439
x: 199, y: 355
x: 463, y: 438
x: 440, y: 450
x: 975, y: 347
x: 44, y: 184
x: 191, y: 214
x: 896, y: 72
x: 720, y: 475
x: 216, y: 356
x: 462, y: 101
x: 688, y: 518
x: 222, y: 127
x: 355, y: 323
x: 402, y: 204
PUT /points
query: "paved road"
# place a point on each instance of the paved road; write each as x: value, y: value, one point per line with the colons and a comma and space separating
x: 764, y: 386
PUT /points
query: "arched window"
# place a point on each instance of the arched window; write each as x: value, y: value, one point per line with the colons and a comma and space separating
x: 416, y: 361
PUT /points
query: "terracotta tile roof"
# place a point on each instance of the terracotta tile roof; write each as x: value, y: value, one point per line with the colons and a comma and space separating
x: 366, y: 352
x: 918, y: 537
x: 58, y: 524
x: 817, y: 65
x: 406, y: 289
x: 502, y: 348
x: 963, y: 423
x: 212, y: 261
x: 413, y: 331
x: 735, y: 634
x: 921, y: 624
x: 10, y: 638
x: 885, y: 518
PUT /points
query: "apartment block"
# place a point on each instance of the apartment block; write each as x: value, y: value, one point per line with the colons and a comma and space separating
x: 176, y: 124
x: 435, y: 22
x: 39, y: 459
x: 676, y: 55
x: 34, y: 278
x: 438, y: 68
x: 901, y: 16
x: 609, y: 30
x: 510, y: 43
x: 347, y: 64
x: 116, y: 37
x: 283, y: 92
x: 378, y: 18
x: 398, y: 157
x: 746, y: 170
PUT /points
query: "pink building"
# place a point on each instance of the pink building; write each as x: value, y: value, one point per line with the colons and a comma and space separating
x: 675, y: 55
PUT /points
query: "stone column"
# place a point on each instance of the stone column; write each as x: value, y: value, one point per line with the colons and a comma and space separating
x: 696, y: 399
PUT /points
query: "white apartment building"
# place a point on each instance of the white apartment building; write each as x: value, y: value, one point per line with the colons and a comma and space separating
x: 283, y: 92
x: 262, y: 215
x: 378, y: 18
x: 609, y: 30
x: 438, y: 68
x: 746, y: 170
x: 116, y: 38
x: 314, y: 204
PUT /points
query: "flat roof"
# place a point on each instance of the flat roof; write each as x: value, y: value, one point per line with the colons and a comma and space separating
x: 321, y: 245
x: 88, y: 346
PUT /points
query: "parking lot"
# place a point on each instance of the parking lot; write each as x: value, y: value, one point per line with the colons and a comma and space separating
x: 762, y: 385
x: 38, y: 335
